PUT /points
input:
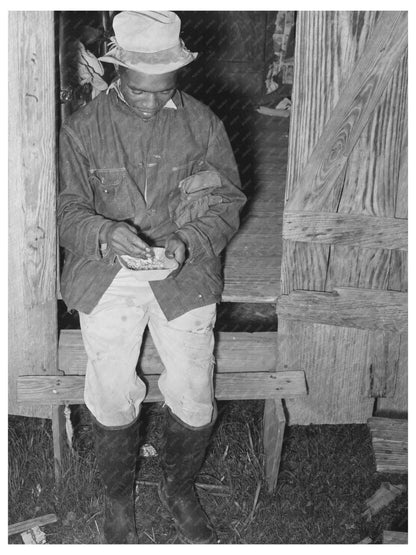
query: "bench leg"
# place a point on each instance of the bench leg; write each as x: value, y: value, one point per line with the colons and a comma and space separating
x: 274, y: 423
x: 58, y: 435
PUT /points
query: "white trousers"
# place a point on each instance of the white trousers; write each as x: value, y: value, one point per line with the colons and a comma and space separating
x: 112, y: 336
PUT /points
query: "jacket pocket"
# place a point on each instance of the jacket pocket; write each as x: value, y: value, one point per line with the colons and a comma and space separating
x: 194, y: 197
x: 111, y: 193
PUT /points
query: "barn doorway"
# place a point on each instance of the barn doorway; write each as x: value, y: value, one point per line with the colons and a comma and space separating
x: 243, y: 72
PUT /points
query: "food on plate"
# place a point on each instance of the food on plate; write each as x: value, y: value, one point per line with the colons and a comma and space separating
x: 153, y: 263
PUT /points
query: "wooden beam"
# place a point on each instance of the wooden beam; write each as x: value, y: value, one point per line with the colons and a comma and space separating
x: 58, y: 390
x: 345, y: 229
x: 357, y: 101
x: 234, y: 352
x: 349, y: 307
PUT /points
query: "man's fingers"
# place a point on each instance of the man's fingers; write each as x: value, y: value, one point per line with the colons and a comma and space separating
x: 175, y: 248
x: 124, y: 240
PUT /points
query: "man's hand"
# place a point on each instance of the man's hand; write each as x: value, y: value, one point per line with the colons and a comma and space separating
x: 123, y: 239
x: 175, y: 248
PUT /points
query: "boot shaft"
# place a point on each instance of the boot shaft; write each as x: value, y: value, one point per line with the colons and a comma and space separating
x: 116, y: 452
x: 184, y: 452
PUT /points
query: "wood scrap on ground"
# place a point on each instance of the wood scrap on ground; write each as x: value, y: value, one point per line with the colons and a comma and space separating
x: 32, y: 523
x: 394, y: 537
x: 30, y: 529
x: 34, y: 536
x: 389, y: 437
x: 366, y: 540
x: 385, y: 494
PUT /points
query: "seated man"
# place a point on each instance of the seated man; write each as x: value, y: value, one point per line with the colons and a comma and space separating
x: 142, y: 165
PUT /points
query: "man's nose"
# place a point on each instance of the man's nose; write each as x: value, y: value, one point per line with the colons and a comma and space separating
x: 149, y: 101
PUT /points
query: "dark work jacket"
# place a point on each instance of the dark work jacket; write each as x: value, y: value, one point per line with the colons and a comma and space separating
x: 175, y: 172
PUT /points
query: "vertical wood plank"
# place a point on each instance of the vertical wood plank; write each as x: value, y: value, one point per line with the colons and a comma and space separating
x: 398, y: 271
x: 402, y: 189
x: 358, y: 267
x: 373, y: 167
x: 274, y: 423
x: 304, y: 266
x: 32, y: 199
x: 328, y: 45
x: 333, y: 359
x: 398, y: 404
x: 382, y: 365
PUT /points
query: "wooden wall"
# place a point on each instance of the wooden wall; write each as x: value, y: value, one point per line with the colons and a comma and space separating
x: 32, y: 199
x: 343, y: 313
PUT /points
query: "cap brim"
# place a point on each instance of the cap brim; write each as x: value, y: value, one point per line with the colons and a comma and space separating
x: 149, y: 63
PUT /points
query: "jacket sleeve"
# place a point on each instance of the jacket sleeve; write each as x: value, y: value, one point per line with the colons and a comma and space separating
x: 78, y: 223
x: 207, y: 235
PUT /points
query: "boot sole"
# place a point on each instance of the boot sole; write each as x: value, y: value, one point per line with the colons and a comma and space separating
x: 211, y: 540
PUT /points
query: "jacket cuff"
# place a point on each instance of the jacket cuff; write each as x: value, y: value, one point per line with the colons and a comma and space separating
x: 105, y: 253
x: 197, y: 247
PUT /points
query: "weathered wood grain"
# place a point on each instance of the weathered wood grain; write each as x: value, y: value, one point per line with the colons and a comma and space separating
x: 358, y: 267
x: 373, y: 167
x: 304, y: 266
x: 382, y: 364
x: 358, y: 99
x: 234, y: 352
x: 398, y: 404
x: 328, y: 45
x: 390, y: 439
x: 372, y: 178
x: 348, y: 307
x: 389, y: 429
x: 402, y: 189
x: 333, y: 359
x: 345, y: 229
x: 32, y: 200
x: 57, y: 390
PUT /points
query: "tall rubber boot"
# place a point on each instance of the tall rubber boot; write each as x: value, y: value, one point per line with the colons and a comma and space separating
x: 116, y: 452
x: 182, y: 459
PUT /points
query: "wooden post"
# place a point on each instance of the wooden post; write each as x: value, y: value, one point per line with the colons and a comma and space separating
x: 32, y: 202
x: 58, y: 435
x: 274, y: 422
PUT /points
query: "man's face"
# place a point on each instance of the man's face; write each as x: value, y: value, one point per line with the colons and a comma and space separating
x: 147, y: 94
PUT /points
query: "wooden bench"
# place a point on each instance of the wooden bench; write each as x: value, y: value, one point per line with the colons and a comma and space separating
x: 245, y: 369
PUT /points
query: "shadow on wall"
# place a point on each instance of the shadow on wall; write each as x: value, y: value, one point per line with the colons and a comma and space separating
x: 229, y: 72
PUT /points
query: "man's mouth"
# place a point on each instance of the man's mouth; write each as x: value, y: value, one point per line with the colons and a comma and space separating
x: 145, y: 113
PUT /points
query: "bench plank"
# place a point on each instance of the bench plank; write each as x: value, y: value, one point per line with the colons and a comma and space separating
x: 57, y: 390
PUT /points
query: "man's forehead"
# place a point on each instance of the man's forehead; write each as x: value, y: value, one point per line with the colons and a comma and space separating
x: 147, y: 82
